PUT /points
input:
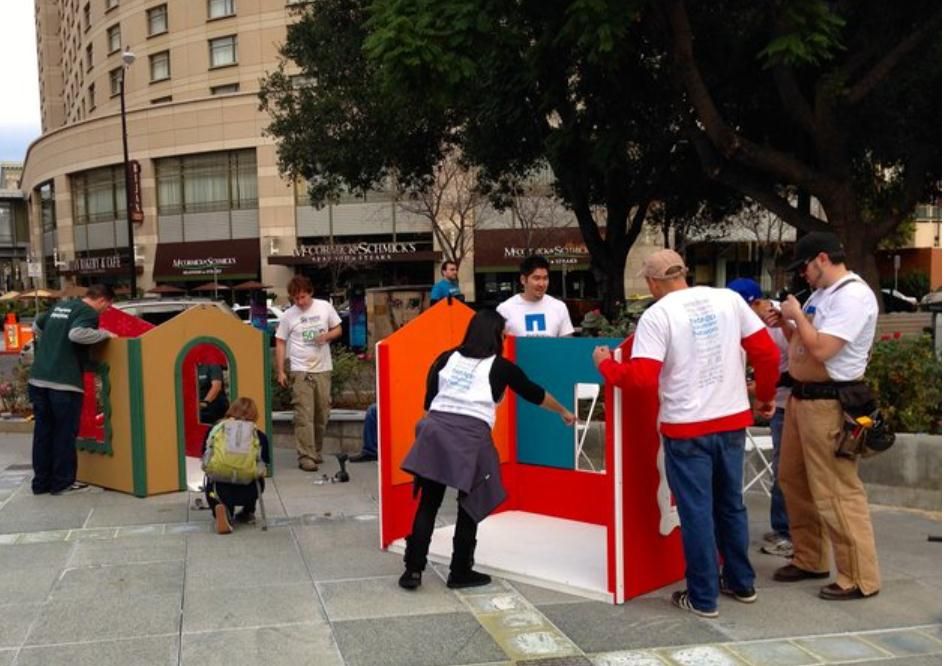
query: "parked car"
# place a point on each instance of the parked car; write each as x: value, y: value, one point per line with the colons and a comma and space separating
x: 273, y: 316
x: 895, y: 301
x: 932, y: 302
x: 153, y: 310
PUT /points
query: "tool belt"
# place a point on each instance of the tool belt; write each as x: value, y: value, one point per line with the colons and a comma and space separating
x: 821, y: 390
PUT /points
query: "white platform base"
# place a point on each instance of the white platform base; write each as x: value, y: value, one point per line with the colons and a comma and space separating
x: 563, y: 555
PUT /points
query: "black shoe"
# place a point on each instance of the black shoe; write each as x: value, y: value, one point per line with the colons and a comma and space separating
x: 410, y: 580
x: 76, y: 487
x: 835, y: 593
x: 363, y: 457
x: 791, y: 574
x: 469, y: 578
x: 245, y: 517
x: 747, y: 596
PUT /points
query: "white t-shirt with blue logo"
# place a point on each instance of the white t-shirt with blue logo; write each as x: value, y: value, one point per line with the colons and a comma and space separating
x: 301, y: 330
x: 546, y: 318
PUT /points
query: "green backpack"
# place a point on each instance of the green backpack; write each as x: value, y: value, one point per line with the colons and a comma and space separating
x: 233, y: 453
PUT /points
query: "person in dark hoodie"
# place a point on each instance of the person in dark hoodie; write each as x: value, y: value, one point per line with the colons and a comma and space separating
x: 453, y: 444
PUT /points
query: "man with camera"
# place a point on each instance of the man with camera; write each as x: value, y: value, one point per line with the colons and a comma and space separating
x: 830, y: 339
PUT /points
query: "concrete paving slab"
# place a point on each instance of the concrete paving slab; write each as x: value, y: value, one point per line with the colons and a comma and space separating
x: 15, y: 621
x: 627, y: 659
x: 219, y: 609
x: 141, y: 514
x: 92, y: 534
x: 135, y: 580
x: 701, y: 655
x: 773, y: 653
x: 904, y: 643
x: 353, y: 562
x: 540, y: 596
x: 841, y: 648
x: 7, y: 657
x: 934, y: 630
x: 106, y: 617
x: 909, y: 661
x: 330, y: 506
x: 381, y: 597
x: 598, y: 627
x: 32, y: 514
x: 152, y: 650
x: 144, y: 548
x: 218, y: 573
x: 28, y: 585
x: 452, y: 639
x: 42, y: 537
x: 247, y: 543
x: 288, y: 645
x: 38, y: 555
x: 331, y: 534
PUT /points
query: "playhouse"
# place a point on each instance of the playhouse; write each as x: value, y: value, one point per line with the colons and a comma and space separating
x: 140, y: 422
x: 600, y: 524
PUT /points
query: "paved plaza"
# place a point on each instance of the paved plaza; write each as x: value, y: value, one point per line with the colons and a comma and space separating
x: 105, y: 578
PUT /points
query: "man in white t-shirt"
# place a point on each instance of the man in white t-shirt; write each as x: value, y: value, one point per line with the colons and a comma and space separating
x: 534, y: 313
x: 830, y: 340
x: 688, y: 347
x: 306, y: 329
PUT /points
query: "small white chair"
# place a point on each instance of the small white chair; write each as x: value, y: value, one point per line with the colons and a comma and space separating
x: 758, y: 470
x: 584, y: 392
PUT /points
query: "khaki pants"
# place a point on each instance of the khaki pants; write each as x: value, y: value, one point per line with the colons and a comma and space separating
x: 311, y: 403
x: 825, y: 498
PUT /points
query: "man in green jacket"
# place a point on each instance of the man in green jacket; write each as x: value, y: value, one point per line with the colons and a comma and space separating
x: 63, y: 336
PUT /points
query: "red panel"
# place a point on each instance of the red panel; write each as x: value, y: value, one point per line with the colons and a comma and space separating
x: 194, y: 430
x: 651, y: 560
x: 123, y: 324
x: 91, y: 422
x: 563, y: 493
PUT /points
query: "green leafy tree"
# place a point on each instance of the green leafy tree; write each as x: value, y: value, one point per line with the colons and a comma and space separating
x: 580, y: 87
x: 806, y: 97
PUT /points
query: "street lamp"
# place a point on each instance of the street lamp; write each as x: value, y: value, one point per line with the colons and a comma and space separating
x: 128, y: 58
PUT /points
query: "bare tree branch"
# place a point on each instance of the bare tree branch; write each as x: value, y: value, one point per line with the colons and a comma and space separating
x: 883, y: 67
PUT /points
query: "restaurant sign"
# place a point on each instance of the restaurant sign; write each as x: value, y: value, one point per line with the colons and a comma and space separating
x: 363, y: 252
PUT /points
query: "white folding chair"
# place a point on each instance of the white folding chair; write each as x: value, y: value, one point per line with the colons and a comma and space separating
x: 584, y: 392
x: 758, y: 470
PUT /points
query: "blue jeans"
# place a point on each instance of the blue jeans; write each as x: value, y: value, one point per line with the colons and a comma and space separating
x: 56, y: 424
x: 778, y: 518
x: 706, y: 476
x: 370, y: 431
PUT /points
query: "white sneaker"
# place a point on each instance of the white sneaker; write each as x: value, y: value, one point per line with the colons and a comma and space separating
x: 773, y: 537
x: 781, y: 548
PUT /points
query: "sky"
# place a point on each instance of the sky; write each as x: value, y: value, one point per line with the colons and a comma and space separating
x: 19, y: 87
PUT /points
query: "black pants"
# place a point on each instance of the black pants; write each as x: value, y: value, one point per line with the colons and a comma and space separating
x: 419, y: 541
x: 232, y: 495
x: 56, y: 423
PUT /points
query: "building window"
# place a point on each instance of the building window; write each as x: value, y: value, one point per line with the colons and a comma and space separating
x: 115, y: 81
x: 88, y: 57
x: 86, y: 17
x: 157, y: 20
x: 47, y: 206
x: 98, y: 195
x: 225, y: 89
x: 160, y: 66
x: 223, y: 51
x: 91, y: 96
x: 161, y: 100
x: 110, y: 4
x: 114, y: 38
x: 207, y: 182
x: 219, y: 8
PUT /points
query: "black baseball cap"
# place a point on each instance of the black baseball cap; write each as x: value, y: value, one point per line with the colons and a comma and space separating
x: 809, y: 246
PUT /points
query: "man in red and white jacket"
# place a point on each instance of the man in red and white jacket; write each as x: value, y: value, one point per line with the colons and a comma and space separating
x: 689, y: 347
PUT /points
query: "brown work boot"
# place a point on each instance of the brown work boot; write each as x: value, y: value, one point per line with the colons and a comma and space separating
x: 308, y: 465
x: 222, y: 517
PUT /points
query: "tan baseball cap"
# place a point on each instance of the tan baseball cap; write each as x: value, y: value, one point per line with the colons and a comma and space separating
x: 663, y: 265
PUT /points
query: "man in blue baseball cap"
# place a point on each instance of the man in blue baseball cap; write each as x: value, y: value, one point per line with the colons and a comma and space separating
x: 777, y: 541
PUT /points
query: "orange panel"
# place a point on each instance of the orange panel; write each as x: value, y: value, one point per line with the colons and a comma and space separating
x: 412, y: 350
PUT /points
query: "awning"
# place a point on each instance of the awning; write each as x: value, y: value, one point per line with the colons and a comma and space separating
x: 502, y: 250
x: 200, y: 261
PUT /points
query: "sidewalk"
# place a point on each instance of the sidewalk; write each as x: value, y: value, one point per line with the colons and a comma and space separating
x: 105, y: 578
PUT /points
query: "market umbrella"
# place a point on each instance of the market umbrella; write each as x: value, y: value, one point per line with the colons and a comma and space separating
x: 38, y: 293
x: 9, y: 296
x: 74, y: 291
x: 250, y: 285
x: 165, y: 289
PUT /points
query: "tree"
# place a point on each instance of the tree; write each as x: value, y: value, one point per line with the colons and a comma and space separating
x: 837, y: 100
x: 578, y: 86
x: 452, y: 202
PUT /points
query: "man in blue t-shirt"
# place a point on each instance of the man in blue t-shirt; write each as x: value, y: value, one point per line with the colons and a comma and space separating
x: 448, y: 286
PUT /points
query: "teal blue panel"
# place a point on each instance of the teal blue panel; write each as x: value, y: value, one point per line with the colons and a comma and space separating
x: 556, y: 364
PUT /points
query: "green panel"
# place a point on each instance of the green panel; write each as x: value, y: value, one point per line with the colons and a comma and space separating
x: 179, y: 393
x: 136, y: 387
x: 92, y: 445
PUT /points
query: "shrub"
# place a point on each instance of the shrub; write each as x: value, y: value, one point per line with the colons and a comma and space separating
x: 905, y: 376
x: 353, y: 381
